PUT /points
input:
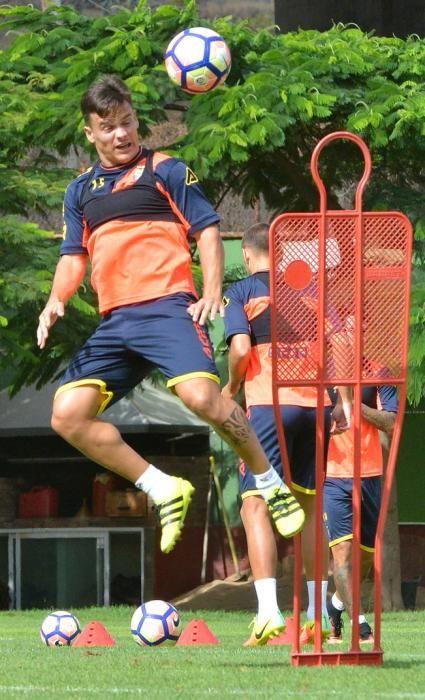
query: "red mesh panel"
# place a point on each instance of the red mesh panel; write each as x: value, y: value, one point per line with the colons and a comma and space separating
x: 371, y: 288
x: 386, y: 261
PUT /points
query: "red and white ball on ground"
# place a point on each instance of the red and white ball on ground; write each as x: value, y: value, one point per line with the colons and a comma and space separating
x: 60, y: 629
x: 155, y: 622
x: 198, y: 60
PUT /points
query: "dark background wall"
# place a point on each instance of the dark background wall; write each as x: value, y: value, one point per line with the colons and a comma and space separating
x: 386, y: 17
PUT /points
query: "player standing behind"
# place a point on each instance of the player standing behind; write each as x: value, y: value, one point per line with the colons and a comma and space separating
x: 133, y: 214
x: 248, y: 333
x: 379, y: 408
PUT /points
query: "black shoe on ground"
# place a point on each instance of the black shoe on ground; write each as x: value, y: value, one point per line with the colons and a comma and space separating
x: 365, y: 633
x: 335, y: 617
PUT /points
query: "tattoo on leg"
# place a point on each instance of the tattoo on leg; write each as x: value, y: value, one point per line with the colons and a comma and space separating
x: 236, y: 428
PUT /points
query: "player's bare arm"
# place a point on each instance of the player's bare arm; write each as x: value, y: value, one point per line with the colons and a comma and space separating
x: 383, y: 420
x: 69, y: 274
x: 239, y: 353
x: 342, y: 412
x: 211, y: 253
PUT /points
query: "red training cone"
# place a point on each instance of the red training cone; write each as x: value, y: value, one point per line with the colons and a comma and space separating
x: 288, y: 634
x: 196, y: 633
x: 94, y: 634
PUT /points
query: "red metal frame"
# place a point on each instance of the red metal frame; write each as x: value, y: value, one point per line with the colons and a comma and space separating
x: 362, y: 264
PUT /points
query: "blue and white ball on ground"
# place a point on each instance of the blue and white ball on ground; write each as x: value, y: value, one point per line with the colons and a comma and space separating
x: 198, y: 60
x: 155, y: 623
x: 60, y: 629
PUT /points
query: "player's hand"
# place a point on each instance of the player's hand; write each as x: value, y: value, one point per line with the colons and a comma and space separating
x: 205, y: 309
x: 341, y: 417
x: 48, y: 317
x: 229, y: 391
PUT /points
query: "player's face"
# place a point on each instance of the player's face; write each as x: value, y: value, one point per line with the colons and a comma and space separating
x: 115, y: 136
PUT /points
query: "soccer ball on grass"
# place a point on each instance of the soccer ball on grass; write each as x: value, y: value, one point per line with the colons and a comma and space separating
x: 198, y: 60
x: 60, y: 629
x: 155, y: 622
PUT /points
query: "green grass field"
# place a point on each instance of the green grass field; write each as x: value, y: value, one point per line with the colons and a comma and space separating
x: 28, y: 668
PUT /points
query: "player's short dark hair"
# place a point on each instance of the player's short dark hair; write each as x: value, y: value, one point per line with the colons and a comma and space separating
x: 257, y: 237
x: 104, y: 97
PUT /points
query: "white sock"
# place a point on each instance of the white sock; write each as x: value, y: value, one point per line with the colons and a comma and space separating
x: 310, y: 589
x: 265, y: 589
x: 155, y: 483
x: 337, y: 603
x: 362, y: 618
x: 267, y: 480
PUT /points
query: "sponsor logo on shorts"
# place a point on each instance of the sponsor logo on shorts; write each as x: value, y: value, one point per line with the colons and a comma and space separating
x: 205, y: 341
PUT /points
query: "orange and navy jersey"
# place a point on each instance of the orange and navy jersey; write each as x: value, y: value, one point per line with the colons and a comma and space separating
x: 247, y: 311
x: 134, y: 222
x: 340, y: 462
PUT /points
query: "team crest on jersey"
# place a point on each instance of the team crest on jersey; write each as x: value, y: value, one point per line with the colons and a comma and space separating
x: 190, y: 177
x: 138, y: 172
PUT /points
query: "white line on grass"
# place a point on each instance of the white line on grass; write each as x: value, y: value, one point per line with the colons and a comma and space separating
x: 28, y: 689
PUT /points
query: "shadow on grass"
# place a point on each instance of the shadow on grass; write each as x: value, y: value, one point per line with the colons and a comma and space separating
x: 405, y: 663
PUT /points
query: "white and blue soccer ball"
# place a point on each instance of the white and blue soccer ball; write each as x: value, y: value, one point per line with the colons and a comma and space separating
x: 198, y: 60
x: 60, y: 629
x: 155, y: 623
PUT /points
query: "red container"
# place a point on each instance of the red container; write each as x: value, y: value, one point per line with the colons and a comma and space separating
x: 40, y: 502
x: 102, y: 485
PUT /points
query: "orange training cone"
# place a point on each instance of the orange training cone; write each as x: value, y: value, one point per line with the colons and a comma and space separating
x: 94, y: 634
x: 288, y: 634
x: 196, y: 633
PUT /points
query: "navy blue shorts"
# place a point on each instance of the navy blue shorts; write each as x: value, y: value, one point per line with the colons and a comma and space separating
x: 132, y: 340
x: 300, y: 435
x: 338, y: 510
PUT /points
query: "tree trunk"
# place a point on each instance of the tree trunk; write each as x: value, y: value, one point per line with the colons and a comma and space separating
x: 391, y: 570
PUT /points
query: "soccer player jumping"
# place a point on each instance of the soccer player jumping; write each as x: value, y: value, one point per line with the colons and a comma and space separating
x: 133, y: 214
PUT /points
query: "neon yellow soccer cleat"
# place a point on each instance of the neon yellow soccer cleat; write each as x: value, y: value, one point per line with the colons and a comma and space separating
x: 307, y: 631
x: 262, y: 632
x: 172, y: 512
x: 286, y: 512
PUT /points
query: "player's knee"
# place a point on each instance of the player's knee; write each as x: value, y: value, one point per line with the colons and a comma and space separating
x: 65, y: 419
x: 253, y: 508
x: 200, y: 401
x: 61, y: 423
x: 341, y: 553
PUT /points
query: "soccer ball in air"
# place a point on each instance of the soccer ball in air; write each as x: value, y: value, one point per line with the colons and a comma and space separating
x: 155, y: 622
x: 198, y: 60
x: 60, y: 629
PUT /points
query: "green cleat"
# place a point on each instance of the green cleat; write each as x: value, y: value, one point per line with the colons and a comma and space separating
x: 307, y: 631
x: 172, y: 512
x: 286, y: 512
x: 262, y: 632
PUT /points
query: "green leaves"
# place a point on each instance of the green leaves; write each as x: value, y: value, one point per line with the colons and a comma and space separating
x: 253, y: 136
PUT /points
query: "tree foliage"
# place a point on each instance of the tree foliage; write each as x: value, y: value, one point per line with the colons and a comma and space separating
x: 253, y: 137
